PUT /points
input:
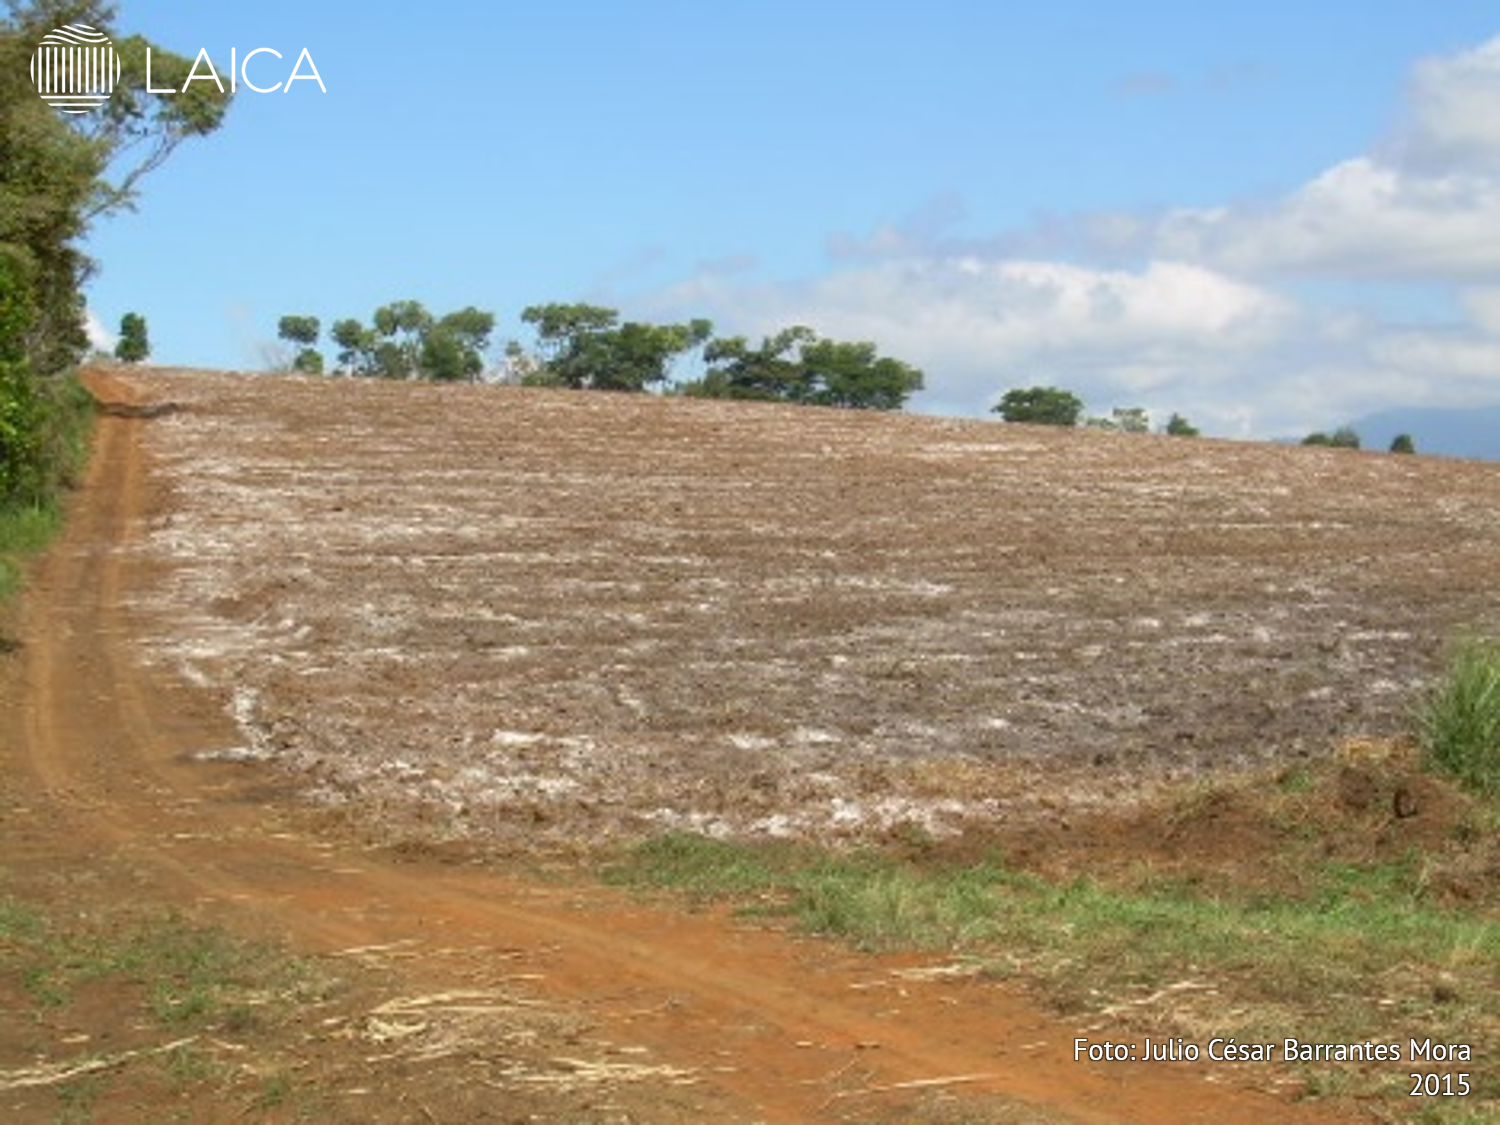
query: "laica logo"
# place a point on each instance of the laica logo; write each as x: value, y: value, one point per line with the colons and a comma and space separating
x: 75, y: 68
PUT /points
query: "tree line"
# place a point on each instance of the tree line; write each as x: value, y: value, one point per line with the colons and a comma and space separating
x: 1053, y: 406
x: 589, y: 347
x: 58, y: 174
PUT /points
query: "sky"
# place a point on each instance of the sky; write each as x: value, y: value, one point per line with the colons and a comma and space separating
x: 1271, y: 217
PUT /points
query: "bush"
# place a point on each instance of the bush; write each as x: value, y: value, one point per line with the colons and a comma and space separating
x: 21, y: 417
x: 44, y: 428
x: 1459, y: 724
x: 1040, y: 406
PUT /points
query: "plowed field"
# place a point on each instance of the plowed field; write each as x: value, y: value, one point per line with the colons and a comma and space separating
x: 496, y: 620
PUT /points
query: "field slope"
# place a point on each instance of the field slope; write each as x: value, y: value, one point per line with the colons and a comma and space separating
x: 544, y: 617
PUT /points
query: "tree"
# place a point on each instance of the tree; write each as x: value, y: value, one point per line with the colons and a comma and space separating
x: 1040, y: 406
x: 854, y: 376
x: 587, y: 348
x: 54, y: 179
x: 770, y: 372
x: 133, y: 345
x: 453, y: 348
x: 304, y: 331
x: 400, y: 328
x: 1123, y: 420
x: 408, y: 342
x: 1403, y: 443
x: 356, y: 346
x: 796, y: 365
x: 1342, y: 438
x: 1178, y: 426
x: 53, y: 170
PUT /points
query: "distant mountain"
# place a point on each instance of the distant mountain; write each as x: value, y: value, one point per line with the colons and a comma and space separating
x: 1452, y: 433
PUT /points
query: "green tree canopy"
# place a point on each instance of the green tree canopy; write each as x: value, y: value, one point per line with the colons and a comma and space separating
x: 302, y: 330
x: 1040, y: 406
x: 1123, y: 420
x: 1342, y: 438
x: 1403, y: 443
x: 796, y: 365
x: 586, y: 347
x: 1178, y: 426
x: 356, y: 345
x: 772, y: 371
x: 453, y: 348
x: 133, y: 345
x: 408, y: 342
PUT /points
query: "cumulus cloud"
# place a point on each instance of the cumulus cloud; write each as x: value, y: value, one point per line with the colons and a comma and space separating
x: 1205, y: 310
x: 980, y: 326
x: 1361, y: 219
x: 1425, y: 203
x: 100, y: 338
x: 1452, y: 119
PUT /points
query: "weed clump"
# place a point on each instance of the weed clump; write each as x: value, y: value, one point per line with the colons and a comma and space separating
x: 1459, y: 723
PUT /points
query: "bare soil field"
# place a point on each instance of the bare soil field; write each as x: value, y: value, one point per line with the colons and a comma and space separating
x: 543, y: 618
x: 312, y: 654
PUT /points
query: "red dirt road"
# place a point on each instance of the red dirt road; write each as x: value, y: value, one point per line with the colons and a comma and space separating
x: 757, y: 1025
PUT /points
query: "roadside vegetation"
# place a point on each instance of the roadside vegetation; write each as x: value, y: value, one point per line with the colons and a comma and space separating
x: 1336, y: 902
x: 58, y: 421
x: 58, y: 174
x: 1459, y: 724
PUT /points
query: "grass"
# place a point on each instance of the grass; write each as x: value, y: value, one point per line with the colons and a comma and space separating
x: 30, y: 524
x: 174, y: 975
x: 159, y: 994
x: 23, y: 531
x: 1459, y: 724
x: 1356, y: 949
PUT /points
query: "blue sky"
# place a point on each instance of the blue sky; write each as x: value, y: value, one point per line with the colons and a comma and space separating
x: 1272, y: 217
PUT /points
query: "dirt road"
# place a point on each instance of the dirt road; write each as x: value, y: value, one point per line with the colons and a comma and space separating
x: 104, y: 756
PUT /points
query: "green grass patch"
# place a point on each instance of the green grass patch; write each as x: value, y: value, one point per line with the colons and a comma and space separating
x: 170, y: 973
x: 31, y: 518
x: 1459, y: 724
x: 23, y: 531
x: 864, y: 898
x: 1354, y: 950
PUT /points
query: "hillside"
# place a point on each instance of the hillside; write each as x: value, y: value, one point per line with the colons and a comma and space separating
x: 541, y: 617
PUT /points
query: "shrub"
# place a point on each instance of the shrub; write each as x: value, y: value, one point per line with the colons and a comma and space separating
x: 1040, y: 406
x: 1459, y: 723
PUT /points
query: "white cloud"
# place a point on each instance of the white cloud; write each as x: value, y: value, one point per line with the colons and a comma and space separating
x: 981, y: 326
x: 1205, y: 319
x: 1452, y: 120
x: 1425, y: 203
x: 100, y: 338
x: 1482, y: 303
x: 1359, y: 219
